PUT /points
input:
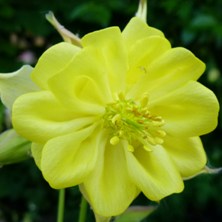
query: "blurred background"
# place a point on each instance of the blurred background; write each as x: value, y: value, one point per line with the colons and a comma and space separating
x: 25, y: 35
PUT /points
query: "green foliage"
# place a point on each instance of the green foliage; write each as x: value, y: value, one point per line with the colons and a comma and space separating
x: 197, y: 25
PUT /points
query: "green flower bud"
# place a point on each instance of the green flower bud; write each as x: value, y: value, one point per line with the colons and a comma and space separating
x: 13, y: 148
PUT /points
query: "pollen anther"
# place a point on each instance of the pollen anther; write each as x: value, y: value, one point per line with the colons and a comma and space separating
x: 114, y: 140
x: 130, y: 148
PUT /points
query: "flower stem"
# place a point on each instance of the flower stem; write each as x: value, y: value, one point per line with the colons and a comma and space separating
x: 83, y: 210
x: 61, y: 204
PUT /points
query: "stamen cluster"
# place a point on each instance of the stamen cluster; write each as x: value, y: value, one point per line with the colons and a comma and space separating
x: 131, y: 121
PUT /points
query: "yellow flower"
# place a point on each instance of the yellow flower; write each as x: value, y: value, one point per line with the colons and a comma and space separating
x: 119, y: 116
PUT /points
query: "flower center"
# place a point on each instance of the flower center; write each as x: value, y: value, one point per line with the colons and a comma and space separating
x: 133, y: 122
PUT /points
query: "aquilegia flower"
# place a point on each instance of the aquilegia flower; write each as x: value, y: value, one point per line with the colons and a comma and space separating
x: 119, y: 116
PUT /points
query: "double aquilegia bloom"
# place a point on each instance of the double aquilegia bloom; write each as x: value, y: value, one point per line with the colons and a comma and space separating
x: 118, y: 116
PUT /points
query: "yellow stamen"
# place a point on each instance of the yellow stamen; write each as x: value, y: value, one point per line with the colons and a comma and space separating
x: 147, y: 148
x: 130, y: 148
x: 114, y: 140
x: 127, y: 120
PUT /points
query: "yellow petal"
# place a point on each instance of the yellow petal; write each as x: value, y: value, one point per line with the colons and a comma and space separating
x: 36, y: 149
x: 153, y: 172
x: 38, y: 116
x: 68, y: 159
x: 136, y: 30
x: 190, y: 111
x: 187, y: 153
x: 14, y: 84
x: 98, y: 217
x: 52, y: 61
x: 109, y: 188
x: 142, y: 54
x: 111, y: 53
x: 102, y: 219
x: 171, y: 70
x: 86, y: 85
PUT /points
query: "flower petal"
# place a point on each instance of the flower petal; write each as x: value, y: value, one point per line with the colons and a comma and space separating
x: 109, y: 188
x: 171, y: 70
x: 36, y: 150
x: 154, y: 172
x: 38, y: 116
x: 189, y: 111
x: 52, y: 61
x: 86, y: 84
x: 187, y: 153
x: 143, y: 53
x: 68, y: 159
x: 136, y: 30
x: 14, y: 84
x: 111, y: 53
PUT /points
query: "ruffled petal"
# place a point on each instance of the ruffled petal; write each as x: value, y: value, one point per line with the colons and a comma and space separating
x: 190, y: 111
x: 52, y: 61
x: 109, y: 188
x: 136, y: 30
x: 14, y: 84
x: 110, y: 51
x: 170, y: 71
x: 38, y: 116
x: 142, y: 54
x: 68, y: 159
x: 154, y: 172
x: 86, y: 85
x: 187, y: 153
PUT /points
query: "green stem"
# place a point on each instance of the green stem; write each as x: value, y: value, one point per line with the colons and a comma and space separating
x: 83, y: 210
x: 61, y: 205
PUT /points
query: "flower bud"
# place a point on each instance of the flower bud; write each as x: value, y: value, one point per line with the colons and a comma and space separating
x: 13, y: 148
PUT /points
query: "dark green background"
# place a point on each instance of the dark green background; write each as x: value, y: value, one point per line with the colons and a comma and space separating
x: 194, y: 24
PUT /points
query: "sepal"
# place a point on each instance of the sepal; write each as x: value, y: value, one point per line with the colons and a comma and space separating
x: 14, y: 84
x: 135, y: 214
x: 66, y: 34
x: 206, y: 170
x: 142, y: 10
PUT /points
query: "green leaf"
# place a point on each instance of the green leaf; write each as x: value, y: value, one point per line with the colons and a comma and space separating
x: 135, y: 214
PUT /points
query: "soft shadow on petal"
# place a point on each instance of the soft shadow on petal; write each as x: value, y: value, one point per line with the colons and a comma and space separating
x: 143, y: 53
x: 189, y: 111
x: 136, y: 30
x: 110, y: 51
x: 168, y: 72
x: 38, y: 116
x: 52, y: 61
x: 154, y: 172
x: 36, y: 149
x: 109, y: 188
x: 85, y: 81
x: 187, y: 153
x: 14, y: 84
x: 68, y: 159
